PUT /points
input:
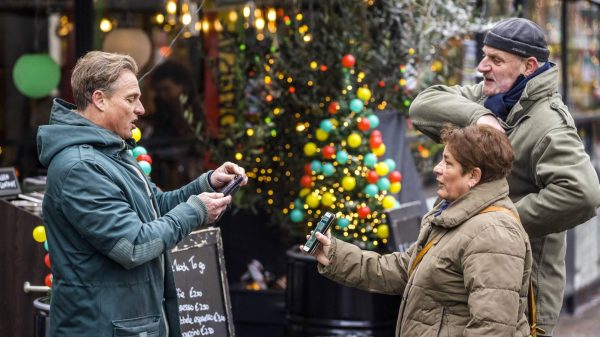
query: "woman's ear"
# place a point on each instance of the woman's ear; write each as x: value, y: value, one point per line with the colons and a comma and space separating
x: 98, y: 100
x: 475, y: 176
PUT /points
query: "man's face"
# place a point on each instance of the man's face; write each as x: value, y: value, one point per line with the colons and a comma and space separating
x: 123, y: 105
x: 500, y: 70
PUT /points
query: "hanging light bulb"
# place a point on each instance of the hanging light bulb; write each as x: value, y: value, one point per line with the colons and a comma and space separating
x: 105, y: 25
x: 233, y: 16
x: 171, y: 7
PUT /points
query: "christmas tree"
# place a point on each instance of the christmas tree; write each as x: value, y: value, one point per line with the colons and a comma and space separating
x: 310, y: 81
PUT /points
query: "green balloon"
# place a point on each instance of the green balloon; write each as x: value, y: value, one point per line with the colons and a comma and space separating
x: 36, y: 75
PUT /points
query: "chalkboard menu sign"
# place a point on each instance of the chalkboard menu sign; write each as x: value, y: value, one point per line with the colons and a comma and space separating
x: 9, y: 184
x: 201, y: 281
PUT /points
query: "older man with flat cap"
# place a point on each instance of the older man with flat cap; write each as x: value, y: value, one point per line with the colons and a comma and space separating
x: 553, y: 183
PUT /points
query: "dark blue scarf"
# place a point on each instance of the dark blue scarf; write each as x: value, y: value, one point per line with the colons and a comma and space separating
x: 444, y: 204
x: 501, y: 104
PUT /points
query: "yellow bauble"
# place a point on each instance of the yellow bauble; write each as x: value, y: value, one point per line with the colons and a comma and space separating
x: 388, y: 202
x: 363, y: 93
x: 327, y: 199
x: 312, y: 200
x: 136, y: 134
x: 321, y: 134
x: 380, y: 151
x: 354, y: 140
x: 310, y: 148
x: 304, y: 192
x: 348, y: 183
x: 382, y: 169
x: 334, y: 122
x: 39, y: 234
x: 395, y: 187
x: 383, y: 231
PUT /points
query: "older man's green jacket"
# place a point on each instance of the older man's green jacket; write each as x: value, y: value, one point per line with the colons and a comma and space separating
x: 473, y: 282
x: 553, y: 183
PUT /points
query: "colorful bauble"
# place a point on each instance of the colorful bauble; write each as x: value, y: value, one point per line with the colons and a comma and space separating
x: 341, y: 157
x: 306, y: 181
x: 48, y: 280
x: 348, y: 61
x: 379, y: 151
x: 374, y: 121
x: 321, y: 135
x: 328, y: 151
x: 343, y: 222
x: 136, y: 134
x: 370, y: 160
x: 363, y: 93
x: 375, y: 141
x: 348, y: 183
x: 371, y: 190
x: 383, y: 231
x: 354, y: 140
x: 333, y: 108
x: 304, y: 192
x: 391, y: 163
x: 328, y: 169
x: 296, y: 215
x: 383, y: 184
x: 315, y: 166
x: 363, y: 212
x: 307, y: 169
x: 395, y: 176
x: 138, y: 150
x: 144, y: 157
x: 39, y: 234
x: 36, y: 75
x: 326, y: 125
x: 395, y: 187
x: 312, y: 200
x: 364, y: 124
x: 310, y: 149
x: 372, y: 177
x: 388, y: 202
x: 327, y: 199
x: 145, y: 166
x: 356, y: 105
x: 382, y: 169
x: 47, y: 260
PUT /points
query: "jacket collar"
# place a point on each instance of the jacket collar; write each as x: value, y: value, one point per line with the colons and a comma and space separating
x: 542, y: 85
x: 469, y: 204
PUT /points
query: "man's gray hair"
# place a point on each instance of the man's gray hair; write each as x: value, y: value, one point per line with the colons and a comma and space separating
x: 98, y: 70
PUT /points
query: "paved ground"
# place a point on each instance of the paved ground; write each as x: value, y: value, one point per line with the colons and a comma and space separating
x: 585, y: 322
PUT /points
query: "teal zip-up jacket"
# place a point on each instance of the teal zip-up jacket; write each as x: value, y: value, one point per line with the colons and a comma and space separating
x: 109, y: 230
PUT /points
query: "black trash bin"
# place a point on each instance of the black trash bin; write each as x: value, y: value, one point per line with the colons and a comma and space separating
x: 41, y: 327
x: 317, y: 306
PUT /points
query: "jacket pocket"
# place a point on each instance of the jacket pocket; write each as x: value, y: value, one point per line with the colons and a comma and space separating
x: 148, y: 326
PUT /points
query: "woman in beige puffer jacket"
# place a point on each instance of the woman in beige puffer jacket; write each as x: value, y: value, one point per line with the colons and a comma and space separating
x: 468, y: 272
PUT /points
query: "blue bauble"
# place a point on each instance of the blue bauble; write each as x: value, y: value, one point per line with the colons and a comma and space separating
x: 343, y: 222
x: 370, y: 160
x: 296, y: 215
x: 383, y: 183
x: 46, y: 245
x: 138, y: 150
x: 145, y: 166
x: 371, y: 190
x: 374, y: 121
x: 391, y: 163
x: 298, y: 203
x: 328, y: 169
x: 326, y: 125
x: 356, y: 105
x: 316, y: 166
x: 341, y: 157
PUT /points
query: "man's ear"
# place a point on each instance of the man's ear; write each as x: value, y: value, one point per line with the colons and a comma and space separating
x: 531, y: 65
x: 99, y: 100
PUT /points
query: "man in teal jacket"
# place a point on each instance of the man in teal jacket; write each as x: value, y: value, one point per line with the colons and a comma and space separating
x: 109, y: 228
x: 553, y: 183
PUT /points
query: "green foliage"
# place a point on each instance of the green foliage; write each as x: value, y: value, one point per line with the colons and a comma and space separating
x: 284, y: 81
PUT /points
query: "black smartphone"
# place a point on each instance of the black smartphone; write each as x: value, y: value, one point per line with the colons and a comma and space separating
x: 233, y: 185
x: 312, y: 243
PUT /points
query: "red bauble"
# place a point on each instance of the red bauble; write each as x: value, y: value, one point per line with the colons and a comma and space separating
x: 328, y: 151
x: 333, y: 108
x: 381, y: 84
x: 364, y: 124
x: 47, y: 260
x: 306, y: 181
x: 48, y: 280
x: 363, y: 212
x: 372, y: 177
x: 292, y: 90
x: 348, y: 61
x: 375, y: 142
x: 395, y: 176
x: 144, y: 157
x: 307, y: 169
x: 376, y: 133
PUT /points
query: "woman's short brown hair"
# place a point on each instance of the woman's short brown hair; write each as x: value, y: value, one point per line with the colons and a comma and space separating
x: 480, y: 146
x: 98, y: 70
